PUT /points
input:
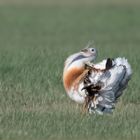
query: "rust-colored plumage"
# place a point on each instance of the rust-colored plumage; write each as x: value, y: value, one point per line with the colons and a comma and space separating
x: 71, y: 76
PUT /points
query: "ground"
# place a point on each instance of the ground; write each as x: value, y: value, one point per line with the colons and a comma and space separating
x: 35, y: 39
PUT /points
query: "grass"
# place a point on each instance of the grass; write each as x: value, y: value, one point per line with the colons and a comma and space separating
x: 34, y: 43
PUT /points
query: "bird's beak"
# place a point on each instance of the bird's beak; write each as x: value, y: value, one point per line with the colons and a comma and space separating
x: 84, y: 50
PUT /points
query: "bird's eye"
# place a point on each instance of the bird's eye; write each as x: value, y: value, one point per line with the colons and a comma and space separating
x: 92, y: 50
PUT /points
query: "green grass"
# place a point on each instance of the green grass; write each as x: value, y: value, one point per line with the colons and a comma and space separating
x: 34, y: 43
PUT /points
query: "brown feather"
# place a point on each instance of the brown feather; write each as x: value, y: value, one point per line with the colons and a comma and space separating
x: 71, y: 76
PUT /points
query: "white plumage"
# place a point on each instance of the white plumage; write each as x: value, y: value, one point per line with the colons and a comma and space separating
x: 97, y: 85
x: 114, y: 81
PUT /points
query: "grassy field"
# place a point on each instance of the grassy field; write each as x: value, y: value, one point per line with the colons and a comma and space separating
x: 34, y: 43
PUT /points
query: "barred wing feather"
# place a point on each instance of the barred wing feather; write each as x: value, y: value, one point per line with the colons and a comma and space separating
x: 114, y: 80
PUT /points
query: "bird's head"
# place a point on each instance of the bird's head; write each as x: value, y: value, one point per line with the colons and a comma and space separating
x: 79, y: 59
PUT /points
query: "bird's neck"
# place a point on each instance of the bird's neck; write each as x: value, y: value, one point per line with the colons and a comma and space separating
x: 70, y: 75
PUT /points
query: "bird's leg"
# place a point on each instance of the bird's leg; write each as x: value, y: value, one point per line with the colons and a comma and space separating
x: 94, y: 101
x: 85, y: 105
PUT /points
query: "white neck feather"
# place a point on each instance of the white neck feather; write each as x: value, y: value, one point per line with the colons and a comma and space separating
x: 69, y: 64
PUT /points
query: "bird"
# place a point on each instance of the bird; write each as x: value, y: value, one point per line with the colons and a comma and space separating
x: 97, y: 86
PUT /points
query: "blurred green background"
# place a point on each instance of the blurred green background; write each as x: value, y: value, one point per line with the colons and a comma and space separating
x: 36, y: 36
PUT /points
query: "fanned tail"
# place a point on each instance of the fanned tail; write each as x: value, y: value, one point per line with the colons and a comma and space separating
x: 114, y: 80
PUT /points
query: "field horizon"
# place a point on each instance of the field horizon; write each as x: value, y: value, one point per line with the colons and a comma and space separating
x: 71, y: 3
